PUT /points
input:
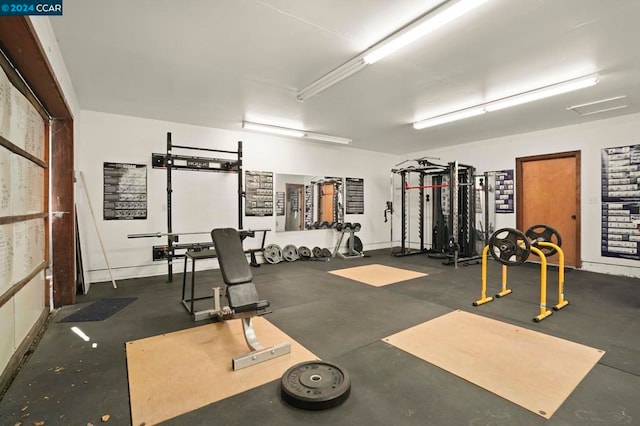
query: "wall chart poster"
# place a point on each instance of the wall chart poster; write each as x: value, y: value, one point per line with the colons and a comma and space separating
x: 621, y: 202
x: 355, y: 195
x: 504, y: 191
x: 125, y: 191
x: 258, y: 193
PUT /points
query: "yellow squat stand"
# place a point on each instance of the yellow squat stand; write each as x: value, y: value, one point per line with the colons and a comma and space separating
x: 544, y: 312
x: 562, y: 302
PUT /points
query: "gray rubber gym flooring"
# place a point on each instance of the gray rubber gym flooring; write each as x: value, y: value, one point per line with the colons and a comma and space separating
x: 65, y: 382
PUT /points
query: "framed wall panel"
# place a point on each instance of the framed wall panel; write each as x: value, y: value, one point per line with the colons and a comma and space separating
x: 23, y: 214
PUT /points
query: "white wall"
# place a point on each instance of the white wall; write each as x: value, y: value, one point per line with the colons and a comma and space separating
x: 49, y: 43
x: 204, y: 200
x: 589, y: 138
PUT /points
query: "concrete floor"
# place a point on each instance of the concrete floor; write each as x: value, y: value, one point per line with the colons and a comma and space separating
x: 67, y: 382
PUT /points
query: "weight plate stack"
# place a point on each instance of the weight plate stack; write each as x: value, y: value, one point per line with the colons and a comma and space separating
x: 290, y: 253
x: 304, y: 252
x: 272, y: 254
x: 325, y: 252
x: 317, y: 252
x: 315, y: 385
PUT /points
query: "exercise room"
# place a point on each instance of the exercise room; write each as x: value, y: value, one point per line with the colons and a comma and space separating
x: 289, y: 212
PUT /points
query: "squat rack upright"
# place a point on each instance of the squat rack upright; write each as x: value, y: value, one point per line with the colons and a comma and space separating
x: 453, y: 228
x: 170, y: 162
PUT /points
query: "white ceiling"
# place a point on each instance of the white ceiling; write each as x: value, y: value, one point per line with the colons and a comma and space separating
x: 218, y: 62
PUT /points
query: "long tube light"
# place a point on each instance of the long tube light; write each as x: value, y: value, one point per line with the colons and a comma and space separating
x: 285, y: 131
x: 390, y: 44
x: 447, y: 118
x: 328, y: 80
x: 421, y: 28
x: 272, y: 129
x: 544, y: 92
x: 509, y: 101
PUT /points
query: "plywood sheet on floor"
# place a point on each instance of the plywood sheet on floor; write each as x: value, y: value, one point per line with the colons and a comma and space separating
x: 531, y: 369
x: 377, y: 275
x: 172, y: 374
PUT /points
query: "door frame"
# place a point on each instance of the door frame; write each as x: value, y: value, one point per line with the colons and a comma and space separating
x: 520, y: 187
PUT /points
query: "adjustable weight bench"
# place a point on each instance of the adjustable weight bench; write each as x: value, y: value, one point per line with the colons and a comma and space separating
x: 242, y: 296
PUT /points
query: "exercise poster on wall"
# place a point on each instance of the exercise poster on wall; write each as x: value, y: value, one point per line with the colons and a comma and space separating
x: 504, y: 191
x: 125, y: 191
x: 621, y: 202
x: 355, y: 195
x: 259, y: 193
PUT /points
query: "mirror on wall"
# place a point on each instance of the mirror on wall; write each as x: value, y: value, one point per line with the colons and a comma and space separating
x: 301, y: 200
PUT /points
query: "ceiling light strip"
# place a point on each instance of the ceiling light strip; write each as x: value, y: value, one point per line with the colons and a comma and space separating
x: 327, y: 138
x: 517, y: 99
x: 272, y: 129
x: 544, y: 92
x: 447, y: 118
x: 285, y: 131
x: 419, y: 28
x: 330, y: 79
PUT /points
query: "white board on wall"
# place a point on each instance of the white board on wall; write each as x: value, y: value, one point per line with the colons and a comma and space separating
x: 29, y: 304
x: 6, y: 257
x: 7, y: 332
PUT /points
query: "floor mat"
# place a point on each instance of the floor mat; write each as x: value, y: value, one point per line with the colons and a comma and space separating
x: 531, y: 369
x: 100, y: 310
x: 377, y: 275
x: 175, y: 373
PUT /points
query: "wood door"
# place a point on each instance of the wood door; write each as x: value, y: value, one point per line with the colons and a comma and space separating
x: 328, y: 191
x: 548, y: 192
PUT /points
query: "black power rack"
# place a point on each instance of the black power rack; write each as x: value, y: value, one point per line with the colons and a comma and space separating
x: 170, y: 162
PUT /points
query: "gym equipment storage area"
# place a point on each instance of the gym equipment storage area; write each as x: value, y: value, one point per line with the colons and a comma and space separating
x: 447, y: 229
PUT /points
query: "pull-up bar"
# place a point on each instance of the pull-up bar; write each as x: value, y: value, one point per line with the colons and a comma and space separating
x: 442, y: 185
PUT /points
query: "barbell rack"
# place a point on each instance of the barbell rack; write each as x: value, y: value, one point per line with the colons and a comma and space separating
x: 170, y: 161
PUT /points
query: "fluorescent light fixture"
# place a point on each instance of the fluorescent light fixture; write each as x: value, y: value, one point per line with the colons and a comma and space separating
x: 272, y: 129
x: 284, y: 131
x: 421, y: 28
x: 509, y: 101
x: 447, y: 118
x: 385, y: 47
x: 328, y: 80
x: 327, y: 138
x: 544, y: 92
